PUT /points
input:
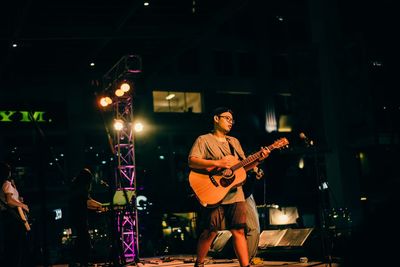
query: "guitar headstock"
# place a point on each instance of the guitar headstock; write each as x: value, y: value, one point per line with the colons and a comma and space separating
x: 280, y: 143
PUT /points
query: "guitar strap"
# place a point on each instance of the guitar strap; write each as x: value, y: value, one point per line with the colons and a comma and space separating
x: 233, y: 151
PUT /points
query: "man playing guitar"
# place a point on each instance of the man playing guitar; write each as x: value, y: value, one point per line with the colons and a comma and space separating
x: 217, y: 150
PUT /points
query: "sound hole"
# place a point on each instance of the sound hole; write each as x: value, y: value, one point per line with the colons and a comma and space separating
x: 226, y: 182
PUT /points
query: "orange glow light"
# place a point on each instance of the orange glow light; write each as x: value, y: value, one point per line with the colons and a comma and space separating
x: 125, y: 87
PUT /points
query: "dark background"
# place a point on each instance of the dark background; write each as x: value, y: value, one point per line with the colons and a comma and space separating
x: 330, y: 67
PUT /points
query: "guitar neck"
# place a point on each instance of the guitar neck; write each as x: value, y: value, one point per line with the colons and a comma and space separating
x: 251, y: 159
x: 23, y: 218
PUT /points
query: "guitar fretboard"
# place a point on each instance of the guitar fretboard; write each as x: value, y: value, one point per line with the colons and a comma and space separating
x: 252, y: 158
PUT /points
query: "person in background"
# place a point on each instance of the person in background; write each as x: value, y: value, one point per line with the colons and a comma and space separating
x: 252, y: 219
x: 14, y: 231
x: 80, y: 203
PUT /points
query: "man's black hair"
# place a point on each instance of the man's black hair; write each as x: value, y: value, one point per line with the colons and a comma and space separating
x: 218, y: 111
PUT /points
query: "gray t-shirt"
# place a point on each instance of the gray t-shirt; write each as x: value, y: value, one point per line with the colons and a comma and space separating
x: 207, y: 146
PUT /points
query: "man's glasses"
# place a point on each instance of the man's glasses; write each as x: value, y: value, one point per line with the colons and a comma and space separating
x: 228, y: 119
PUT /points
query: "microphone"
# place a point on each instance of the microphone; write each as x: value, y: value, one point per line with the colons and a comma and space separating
x: 307, y: 141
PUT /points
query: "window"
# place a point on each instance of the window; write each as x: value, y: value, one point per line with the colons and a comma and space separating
x: 283, y: 106
x: 173, y: 101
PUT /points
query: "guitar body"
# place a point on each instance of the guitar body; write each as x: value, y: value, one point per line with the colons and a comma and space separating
x: 211, y: 188
x: 24, y: 219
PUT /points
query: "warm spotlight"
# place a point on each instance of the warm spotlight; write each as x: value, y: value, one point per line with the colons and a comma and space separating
x: 118, y: 125
x: 301, y: 163
x: 105, y: 101
x: 138, y: 127
x: 119, y: 92
x: 125, y: 87
x: 170, y: 96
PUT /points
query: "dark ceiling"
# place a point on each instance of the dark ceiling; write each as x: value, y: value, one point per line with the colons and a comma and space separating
x: 64, y: 37
x: 61, y: 38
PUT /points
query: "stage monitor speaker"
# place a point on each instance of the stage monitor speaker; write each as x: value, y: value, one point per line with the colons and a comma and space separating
x: 284, y: 237
x: 222, y: 246
x: 220, y: 241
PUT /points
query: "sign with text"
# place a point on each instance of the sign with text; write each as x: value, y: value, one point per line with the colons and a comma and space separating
x: 23, y: 116
x: 53, y: 115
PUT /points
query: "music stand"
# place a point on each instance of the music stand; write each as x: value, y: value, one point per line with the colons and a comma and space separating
x: 121, y: 198
x: 322, y: 202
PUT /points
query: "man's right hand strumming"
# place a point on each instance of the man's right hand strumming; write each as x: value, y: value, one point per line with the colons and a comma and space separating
x: 226, y: 162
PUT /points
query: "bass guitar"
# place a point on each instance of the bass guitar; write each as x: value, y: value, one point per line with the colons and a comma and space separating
x: 24, y: 218
x: 212, y: 186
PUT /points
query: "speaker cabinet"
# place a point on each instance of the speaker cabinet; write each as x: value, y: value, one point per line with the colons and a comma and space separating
x: 279, y: 244
x: 284, y: 237
x: 220, y: 241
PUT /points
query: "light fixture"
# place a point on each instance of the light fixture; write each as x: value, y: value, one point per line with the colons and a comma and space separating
x: 125, y: 87
x: 119, y: 92
x: 301, y: 163
x: 170, y: 96
x: 283, y: 216
x: 105, y: 101
x: 138, y: 127
x: 118, y: 125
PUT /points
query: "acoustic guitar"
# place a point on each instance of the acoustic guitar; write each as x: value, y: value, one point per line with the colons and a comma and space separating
x: 212, y: 186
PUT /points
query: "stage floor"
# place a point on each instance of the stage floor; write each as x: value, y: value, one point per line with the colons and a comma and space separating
x: 188, y: 260
x: 219, y: 263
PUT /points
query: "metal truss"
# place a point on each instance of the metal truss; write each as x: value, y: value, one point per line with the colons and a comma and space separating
x: 125, y: 174
x: 124, y: 152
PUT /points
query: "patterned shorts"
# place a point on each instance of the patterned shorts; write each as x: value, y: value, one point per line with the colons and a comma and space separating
x: 225, y: 217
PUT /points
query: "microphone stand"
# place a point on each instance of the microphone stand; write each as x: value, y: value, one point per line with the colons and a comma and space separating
x: 322, y: 205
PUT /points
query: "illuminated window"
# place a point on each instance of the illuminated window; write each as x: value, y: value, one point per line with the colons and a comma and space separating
x: 172, y: 101
x: 285, y: 123
x: 283, y: 106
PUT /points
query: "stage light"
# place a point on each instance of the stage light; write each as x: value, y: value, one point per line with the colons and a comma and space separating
x: 118, y: 125
x: 283, y: 216
x: 138, y: 127
x: 170, y: 96
x: 105, y: 101
x: 125, y: 87
x: 119, y: 92
x: 133, y: 64
x: 301, y: 163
